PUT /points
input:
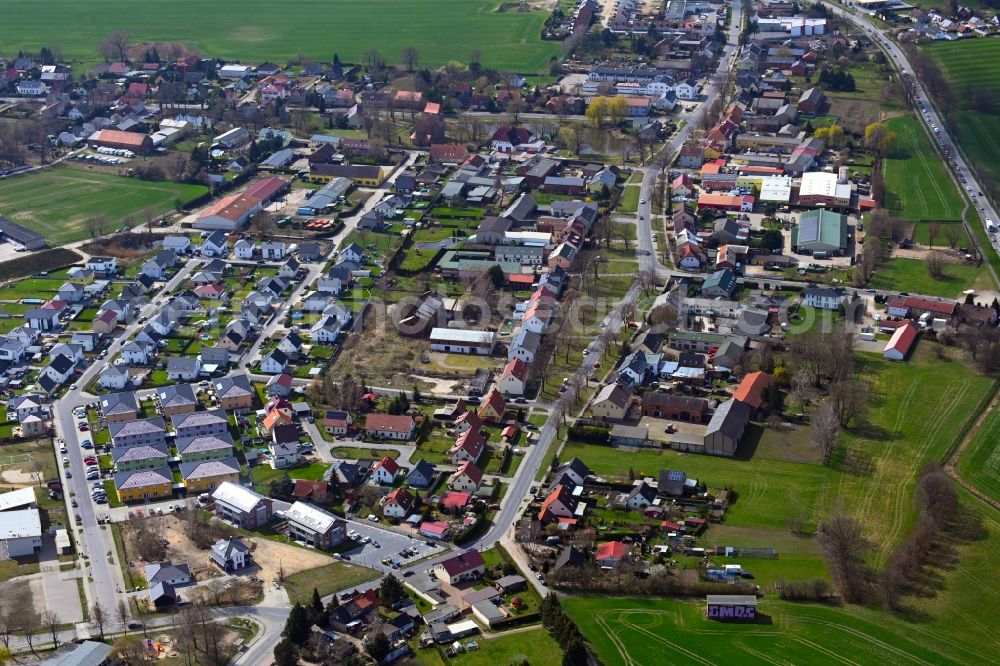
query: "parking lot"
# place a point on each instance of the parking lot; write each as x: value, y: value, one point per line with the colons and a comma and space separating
x: 390, y: 545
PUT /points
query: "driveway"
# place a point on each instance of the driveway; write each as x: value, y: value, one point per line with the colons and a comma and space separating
x: 59, y: 587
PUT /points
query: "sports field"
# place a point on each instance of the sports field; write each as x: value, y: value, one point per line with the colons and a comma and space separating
x: 918, y: 188
x: 57, y: 202
x: 980, y: 462
x: 441, y: 30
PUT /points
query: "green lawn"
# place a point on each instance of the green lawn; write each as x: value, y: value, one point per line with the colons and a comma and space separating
x: 351, y: 453
x: 911, y: 275
x: 918, y: 188
x: 57, y: 202
x: 534, y: 647
x: 263, y: 474
x: 980, y: 462
x: 629, y: 202
x: 268, y: 31
x: 327, y: 579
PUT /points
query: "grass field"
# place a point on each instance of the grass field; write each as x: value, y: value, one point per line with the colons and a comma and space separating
x: 980, y: 462
x: 281, y: 31
x: 327, y: 579
x: 917, y: 185
x: 535, y: 647
x: 911, y: 275
x: 57, y: 202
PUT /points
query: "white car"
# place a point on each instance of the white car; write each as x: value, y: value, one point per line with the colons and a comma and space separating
x: 62, y: 448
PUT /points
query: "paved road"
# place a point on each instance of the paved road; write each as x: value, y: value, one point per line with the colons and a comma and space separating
x: 930, y: 119
x: 105, y: 581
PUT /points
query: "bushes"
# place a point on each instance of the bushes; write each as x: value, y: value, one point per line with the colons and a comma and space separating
x: 47, y: 260
x: 804, y: 590
x: 589, y: 433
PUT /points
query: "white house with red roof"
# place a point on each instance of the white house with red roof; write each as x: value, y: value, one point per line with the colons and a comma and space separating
x: 468, y: 446
x: 514, y: 378
x: 507, y: 139
x: 466, y: 478
x: 398, y: 504
x: 468, y: 421
x: 385, y: 471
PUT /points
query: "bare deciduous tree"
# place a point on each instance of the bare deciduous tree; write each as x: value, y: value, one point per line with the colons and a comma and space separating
x: 51, y: 621
x: 409, y: 56
x: 99, y: 617
x: 824, y: 430
x: 116, y: 45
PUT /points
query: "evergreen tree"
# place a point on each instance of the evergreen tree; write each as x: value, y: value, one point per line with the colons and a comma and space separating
x: 286, y: 653
x: 378, y: 647
x: 391, y: 590
x: 298, y: 624
x: 317, y: 606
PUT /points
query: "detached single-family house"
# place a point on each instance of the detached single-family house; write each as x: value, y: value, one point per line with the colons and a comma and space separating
x: 468, y: 565
x: 385, y: 471
x: 389, y: 426
x: 398, y: 504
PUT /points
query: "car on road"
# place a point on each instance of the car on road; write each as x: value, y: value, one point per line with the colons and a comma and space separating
x: 74, y: 503
x: 62, y: 448
x: 372, y: 518
x: 65, y: 460
x: 642, y: 201
x: 72, y: 387
x: 407, y: 574
x: 521, y: 400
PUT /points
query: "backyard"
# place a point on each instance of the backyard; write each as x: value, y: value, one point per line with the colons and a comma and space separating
x: 327, y: 579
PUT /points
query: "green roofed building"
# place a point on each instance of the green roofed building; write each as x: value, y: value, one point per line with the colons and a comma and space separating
x: 820, y: 231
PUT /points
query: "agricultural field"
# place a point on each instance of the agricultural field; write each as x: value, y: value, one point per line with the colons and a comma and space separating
x: 57, y: 202
x: 918, y: 187
x: 966, y: 65
x: 508, y: 40
x: 980, y: 461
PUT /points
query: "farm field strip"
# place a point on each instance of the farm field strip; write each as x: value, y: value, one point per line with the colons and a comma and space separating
x: 980, y: 462
x: 441, y: 30
x: 915, y: 174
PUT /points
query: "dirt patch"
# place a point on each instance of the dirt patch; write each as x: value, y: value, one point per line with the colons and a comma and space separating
x: 17, y: 476
x: 268, y: 555
x: 379, y: 355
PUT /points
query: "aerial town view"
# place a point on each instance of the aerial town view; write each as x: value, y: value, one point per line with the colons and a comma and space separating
x: 538, y: 332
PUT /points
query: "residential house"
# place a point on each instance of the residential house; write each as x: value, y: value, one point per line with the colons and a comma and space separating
x: 514, y: 378
x: 142, y: 456
x: 116, y: 407
x: 205, y: 447
x: 184, y: 368
x: 166, y: 572
x: 242, y: 506
x: 206, y: 475
x: 610, y: 554
x: 674, y: 407
x: 337, y: 422
x: 244, y: 248
x: 466, y: 478
x: 612, y: 402
x: 114, y: 378
x: 234, y: 393
x: 825, y: 298
x: 385, y: 471
x: 216, y: 244
x: 314, y: 526
x: 137, y: 432
x: 493, y: 407
x: 230, y: 554
x: 421, y: 476
x: 145, y: 484
x: 389, y: 426
x: 467, y: 565
x: 177, y: 399
x: 468, y: 446
x: 196, y: 424
x: 275, y: 362
x: 751, y: 389
x: 641, y: 496
x: 560, y: 503
x: 398, y: 504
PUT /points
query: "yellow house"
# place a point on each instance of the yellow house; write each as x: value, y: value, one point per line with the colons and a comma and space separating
x: 362, y: 174
x: 144, y: 484
x: 205, y: 476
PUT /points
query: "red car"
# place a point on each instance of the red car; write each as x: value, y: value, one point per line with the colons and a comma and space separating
x: 90, y: 461
x: 84, y: 427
